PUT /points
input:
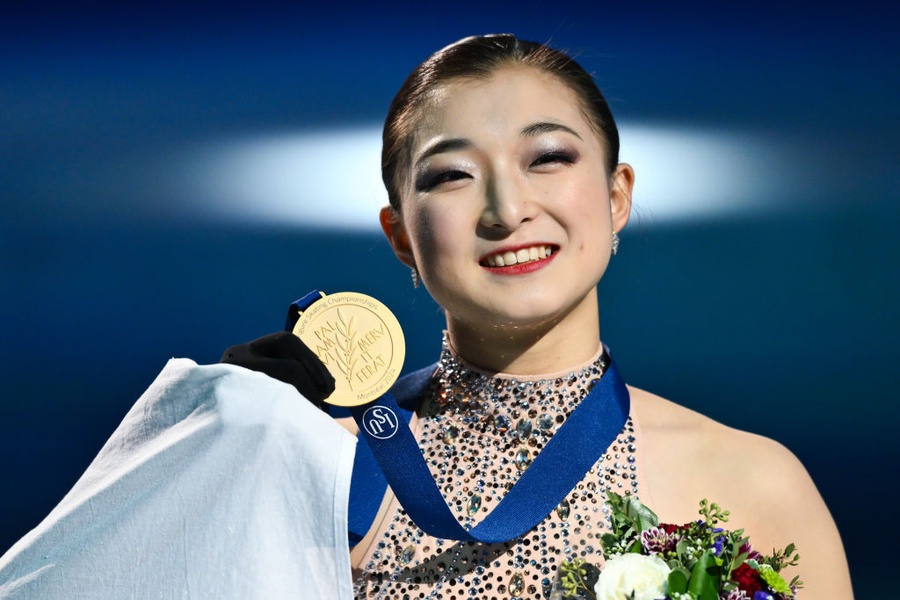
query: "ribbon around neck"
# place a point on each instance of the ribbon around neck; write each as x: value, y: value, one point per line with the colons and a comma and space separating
x: 575, y: 447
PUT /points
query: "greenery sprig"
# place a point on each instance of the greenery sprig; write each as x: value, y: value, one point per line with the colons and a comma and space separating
x: 699, y: 560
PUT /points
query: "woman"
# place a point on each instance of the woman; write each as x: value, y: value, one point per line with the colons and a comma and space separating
x: 501, y: 163
x: 506, y: 197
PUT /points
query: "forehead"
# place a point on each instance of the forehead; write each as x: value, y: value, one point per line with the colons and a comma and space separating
x: 509, y: 99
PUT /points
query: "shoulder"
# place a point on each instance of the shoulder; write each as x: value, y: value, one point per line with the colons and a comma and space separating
x: 694, y: 436
x: 704, y: 456
x: 770, y: 494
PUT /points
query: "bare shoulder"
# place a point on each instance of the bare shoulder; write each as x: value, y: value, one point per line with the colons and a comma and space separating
x: 749, y: 474
x: 684, y: 435
x: 689, y: 457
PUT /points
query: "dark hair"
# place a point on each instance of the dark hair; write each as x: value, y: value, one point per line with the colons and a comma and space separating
x: 478, y: 57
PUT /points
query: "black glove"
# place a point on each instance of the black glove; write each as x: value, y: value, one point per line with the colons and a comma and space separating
x: 285, y: 357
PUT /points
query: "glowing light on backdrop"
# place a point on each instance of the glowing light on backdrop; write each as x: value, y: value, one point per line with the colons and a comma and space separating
x: 332, y: 179
x: 325, y: 179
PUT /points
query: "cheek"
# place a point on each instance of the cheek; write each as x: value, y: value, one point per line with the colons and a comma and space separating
x: 587, y: 208
x: 589, y: 220
x: 434, y: 235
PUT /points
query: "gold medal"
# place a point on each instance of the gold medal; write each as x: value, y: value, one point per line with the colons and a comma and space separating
x: 360, y: 342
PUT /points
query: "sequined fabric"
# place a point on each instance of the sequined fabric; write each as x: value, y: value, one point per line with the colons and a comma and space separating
x: 478, y: 433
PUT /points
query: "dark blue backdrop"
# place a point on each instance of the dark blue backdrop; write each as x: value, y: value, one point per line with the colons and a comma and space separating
x: 779, y: 318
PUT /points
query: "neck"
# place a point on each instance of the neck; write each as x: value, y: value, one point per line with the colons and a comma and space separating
x: 549, y: 347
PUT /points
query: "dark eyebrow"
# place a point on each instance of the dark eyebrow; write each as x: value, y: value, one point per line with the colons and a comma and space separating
x: 536, y: 129
x: 449, y: 145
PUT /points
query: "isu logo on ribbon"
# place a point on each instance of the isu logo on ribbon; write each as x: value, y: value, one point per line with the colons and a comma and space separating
x: 380, y: 422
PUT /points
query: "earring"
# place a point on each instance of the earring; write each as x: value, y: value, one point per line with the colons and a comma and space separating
x: 414, y: 274
x: 615, y: 242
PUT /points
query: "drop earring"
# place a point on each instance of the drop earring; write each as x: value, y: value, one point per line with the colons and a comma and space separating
x: 414, y: 274
x: 615, y: 242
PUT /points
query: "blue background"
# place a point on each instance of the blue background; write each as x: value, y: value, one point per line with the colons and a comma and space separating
x: 779, y: 316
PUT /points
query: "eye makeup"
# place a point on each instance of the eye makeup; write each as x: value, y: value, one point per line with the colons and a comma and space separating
x: 553, y: 154
x: 428, y: 179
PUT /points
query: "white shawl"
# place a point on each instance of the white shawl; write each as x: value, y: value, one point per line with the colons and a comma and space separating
x: 220, y: 483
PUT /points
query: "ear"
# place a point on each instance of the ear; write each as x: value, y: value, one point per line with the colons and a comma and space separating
x: 620, y: 195
x: 394, y: 230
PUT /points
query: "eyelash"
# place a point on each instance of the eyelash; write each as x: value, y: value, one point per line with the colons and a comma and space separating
x: 554, y: 156
x: 427, y: 182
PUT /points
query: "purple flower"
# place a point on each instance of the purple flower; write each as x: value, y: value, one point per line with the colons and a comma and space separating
x: 656, y: 541
x: 751, y: 553
x: 718, y: 545
x: 760, y: 595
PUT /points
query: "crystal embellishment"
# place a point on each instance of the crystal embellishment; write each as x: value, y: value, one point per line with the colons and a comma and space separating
x: 523, y: 428
x: 516, y: 585
x: 523, y: 459
x: 474, y: 504
x: 545, y: 422
x: 563, y: 510
x: 407, y: 555
x: 501, y: 423
x: 450, y: 434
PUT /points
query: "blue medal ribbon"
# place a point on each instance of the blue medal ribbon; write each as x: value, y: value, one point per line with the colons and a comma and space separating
x: 575, y: 447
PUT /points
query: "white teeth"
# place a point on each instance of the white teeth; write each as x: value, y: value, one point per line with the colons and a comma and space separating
x: 520, y: 256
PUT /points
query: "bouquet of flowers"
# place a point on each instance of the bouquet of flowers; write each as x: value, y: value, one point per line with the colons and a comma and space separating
x: 649, y: 560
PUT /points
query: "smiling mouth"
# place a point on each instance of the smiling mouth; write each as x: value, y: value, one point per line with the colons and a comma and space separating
x: 518, y: 257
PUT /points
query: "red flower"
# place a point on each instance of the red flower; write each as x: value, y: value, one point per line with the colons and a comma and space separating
x: 748, y: 579
x: 669, y: 528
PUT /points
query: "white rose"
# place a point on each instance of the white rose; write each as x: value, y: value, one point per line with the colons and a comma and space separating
x: 643, y: 576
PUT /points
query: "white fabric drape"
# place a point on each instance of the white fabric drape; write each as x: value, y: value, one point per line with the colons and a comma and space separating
x: 219, y: 483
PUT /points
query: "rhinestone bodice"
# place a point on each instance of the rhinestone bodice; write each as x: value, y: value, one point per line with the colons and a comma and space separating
x: 478, y: 433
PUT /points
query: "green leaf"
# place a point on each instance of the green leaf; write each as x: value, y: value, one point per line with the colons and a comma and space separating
x: 704, y: 581
x: 641, y: 516
x: 628, y: 511
x: 678, y: 582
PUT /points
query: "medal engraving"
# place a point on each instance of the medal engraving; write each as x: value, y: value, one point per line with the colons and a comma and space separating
x: 360, y: 342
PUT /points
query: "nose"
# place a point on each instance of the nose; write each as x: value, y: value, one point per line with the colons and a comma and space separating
x: 507, y: 204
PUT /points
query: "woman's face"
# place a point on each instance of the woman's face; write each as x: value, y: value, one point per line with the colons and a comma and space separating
x: 506, y: 209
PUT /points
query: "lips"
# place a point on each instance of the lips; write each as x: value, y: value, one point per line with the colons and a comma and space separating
x: 519, y: 256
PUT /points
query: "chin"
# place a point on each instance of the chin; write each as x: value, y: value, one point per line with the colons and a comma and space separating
x: 528, y: 319
x: 514, y: 309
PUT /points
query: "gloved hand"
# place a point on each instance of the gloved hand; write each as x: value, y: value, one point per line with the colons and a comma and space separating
x: 285, y: 357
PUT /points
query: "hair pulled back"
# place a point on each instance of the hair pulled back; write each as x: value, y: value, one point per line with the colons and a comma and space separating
x: 477, y: 57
